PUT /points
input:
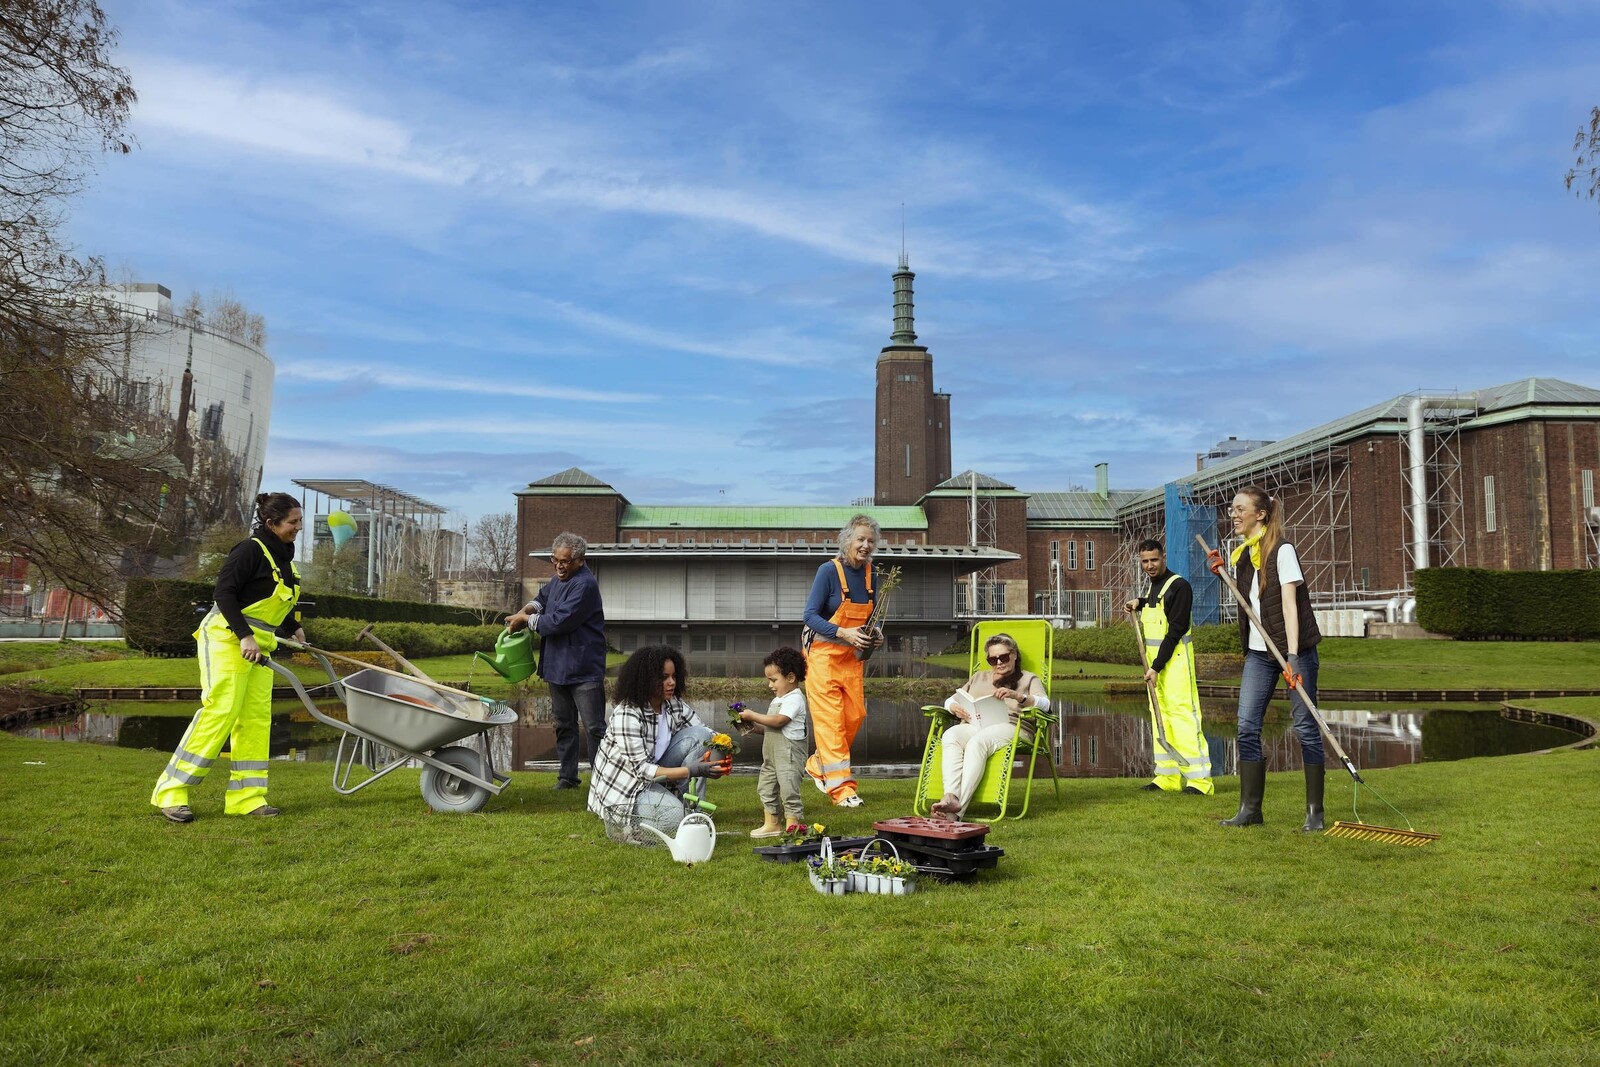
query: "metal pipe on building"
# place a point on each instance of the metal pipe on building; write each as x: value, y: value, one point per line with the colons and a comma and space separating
x: 1417, y: 461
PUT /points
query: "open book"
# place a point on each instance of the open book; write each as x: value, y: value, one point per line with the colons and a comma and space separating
x: 983, y: 711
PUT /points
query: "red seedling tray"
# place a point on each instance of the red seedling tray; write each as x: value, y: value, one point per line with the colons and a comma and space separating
x: 938, y: 829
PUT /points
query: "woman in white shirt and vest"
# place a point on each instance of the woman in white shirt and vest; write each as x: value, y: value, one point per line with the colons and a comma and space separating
x: 1267, y: 570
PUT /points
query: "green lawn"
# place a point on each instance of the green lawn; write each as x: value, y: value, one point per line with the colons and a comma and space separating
x: 1347, y: 663
x: 1120, y: 928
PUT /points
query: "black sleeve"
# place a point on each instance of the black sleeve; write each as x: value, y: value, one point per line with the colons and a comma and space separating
x: 1178, y: 603
x: 237, y: 571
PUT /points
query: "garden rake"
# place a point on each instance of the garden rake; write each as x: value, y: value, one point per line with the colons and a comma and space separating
x: 1155, y: 701
x: 1362, y: 831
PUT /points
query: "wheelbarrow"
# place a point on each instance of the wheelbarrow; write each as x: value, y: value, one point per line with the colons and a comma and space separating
x: 393, y: 718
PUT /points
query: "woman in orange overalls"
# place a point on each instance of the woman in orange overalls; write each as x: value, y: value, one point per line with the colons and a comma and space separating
x: 835, y: 629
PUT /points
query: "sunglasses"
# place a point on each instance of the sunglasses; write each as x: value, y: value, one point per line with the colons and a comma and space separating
x: 999, y: 658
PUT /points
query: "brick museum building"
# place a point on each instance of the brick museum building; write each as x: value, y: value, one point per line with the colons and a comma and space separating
x: 1499, y: 477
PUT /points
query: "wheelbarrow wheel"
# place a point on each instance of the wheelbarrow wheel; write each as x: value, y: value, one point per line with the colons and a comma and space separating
x: 444, y: 791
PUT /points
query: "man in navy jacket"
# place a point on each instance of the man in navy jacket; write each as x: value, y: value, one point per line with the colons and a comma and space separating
x: 568, y: 617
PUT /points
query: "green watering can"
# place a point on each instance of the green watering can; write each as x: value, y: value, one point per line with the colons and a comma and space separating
x: 513, y: 658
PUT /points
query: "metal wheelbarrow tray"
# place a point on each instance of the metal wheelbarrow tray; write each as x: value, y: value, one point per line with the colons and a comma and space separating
x: 392, y: 720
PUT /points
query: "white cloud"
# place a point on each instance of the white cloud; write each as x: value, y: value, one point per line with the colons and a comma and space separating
x: 387, y: 378
x: 274, y: 118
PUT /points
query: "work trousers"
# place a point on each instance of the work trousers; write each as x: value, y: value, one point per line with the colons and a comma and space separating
x: 834, y: 681
x: 235, y: 709
x: 782, y: 763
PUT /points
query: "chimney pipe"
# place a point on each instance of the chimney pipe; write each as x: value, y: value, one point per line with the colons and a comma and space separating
x: 1102, y: 480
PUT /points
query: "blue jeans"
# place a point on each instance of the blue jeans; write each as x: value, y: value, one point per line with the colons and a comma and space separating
x: 1256, y: 686
x: 568, y: 702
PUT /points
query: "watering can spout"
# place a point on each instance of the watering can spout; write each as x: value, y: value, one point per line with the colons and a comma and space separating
x: 513, y: 658
x: 664, y: 838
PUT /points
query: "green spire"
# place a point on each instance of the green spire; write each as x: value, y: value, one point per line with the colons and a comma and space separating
x: 903, y: 333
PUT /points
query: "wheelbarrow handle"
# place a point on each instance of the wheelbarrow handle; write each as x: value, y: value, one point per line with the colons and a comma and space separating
x: 313, y: 650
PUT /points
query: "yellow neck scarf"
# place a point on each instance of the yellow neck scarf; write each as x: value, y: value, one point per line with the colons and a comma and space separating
x: 1253, y: 543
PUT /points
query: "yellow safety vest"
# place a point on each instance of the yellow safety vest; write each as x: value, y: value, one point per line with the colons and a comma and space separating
x: 1175, y: 685
x: 264, y: 616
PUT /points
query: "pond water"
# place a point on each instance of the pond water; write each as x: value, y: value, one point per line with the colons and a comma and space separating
x: 1106, y: 738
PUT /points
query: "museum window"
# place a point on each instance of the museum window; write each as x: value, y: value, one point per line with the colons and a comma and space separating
x: 1088, y: 555
x: 1072, y: 555
x: 1489, y: 523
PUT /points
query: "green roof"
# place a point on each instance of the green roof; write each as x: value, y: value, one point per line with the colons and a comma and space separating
x: 735, y: 517
x: 1078, y: 506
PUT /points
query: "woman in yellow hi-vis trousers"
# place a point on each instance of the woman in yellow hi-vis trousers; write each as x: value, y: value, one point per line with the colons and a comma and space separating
x: 835, y: 627
x: 256, y: 595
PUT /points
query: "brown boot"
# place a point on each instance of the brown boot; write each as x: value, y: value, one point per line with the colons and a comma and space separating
x: 771, y: 827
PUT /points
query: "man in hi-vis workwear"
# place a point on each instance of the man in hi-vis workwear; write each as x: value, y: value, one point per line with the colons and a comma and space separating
x: 257, y: 592
x: 1164, y: 619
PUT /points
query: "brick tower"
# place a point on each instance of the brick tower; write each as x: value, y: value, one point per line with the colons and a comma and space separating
x: 912, y: 431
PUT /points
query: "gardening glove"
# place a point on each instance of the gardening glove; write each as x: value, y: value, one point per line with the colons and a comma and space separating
x: 1291, y: 673
x: 704, y: 768
x: 1214, y: 559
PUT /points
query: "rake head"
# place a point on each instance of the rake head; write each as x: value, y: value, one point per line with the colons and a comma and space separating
x: 1362, y: 831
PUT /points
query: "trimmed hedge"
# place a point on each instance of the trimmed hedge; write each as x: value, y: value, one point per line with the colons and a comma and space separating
x: 1119, y: 644
x: 1465, y: 602
x: 414, y: 640
x: 159, y: 615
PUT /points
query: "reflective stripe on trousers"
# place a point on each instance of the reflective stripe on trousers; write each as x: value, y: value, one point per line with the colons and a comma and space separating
x: 1177, y: 695
x: 236, y: 711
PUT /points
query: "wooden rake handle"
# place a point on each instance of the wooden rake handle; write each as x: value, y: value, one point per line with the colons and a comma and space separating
x: 1221, y: 571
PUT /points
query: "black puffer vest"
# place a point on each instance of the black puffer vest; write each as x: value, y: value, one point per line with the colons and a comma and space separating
x: 1272, y: 605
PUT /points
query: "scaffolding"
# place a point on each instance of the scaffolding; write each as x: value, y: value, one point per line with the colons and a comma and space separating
x: 1313, y: 484
x: 985, y: 595
x: 1441, y: 488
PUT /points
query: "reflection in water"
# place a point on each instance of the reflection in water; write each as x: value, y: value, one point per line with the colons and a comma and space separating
x: 1109, y: 738
x: 1112, y: 738
x: 883, y: 664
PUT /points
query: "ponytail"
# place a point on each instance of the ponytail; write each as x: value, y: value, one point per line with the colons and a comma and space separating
x: 274, y: 507
x: 1272, y: 535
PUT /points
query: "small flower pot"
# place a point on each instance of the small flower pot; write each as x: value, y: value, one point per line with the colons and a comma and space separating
x: 832, y: 887
x: 902, y: 886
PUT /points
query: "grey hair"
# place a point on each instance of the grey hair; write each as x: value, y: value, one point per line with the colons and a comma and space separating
x: 859, y: 520
x: 571, y: 542
x: 1016, y: 653
x: 1002, y: 639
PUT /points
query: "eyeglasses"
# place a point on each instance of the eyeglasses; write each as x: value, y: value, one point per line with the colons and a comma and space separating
x: 999, y: 658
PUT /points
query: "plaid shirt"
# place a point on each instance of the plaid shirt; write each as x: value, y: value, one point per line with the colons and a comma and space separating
x: 622, y: 767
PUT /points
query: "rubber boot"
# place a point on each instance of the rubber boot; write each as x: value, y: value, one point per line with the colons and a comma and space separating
x: 1252, y: 784
x: 771, y: 827
x: 1314, y: 777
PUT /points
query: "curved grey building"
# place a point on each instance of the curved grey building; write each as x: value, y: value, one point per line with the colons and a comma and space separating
x: 206, y: 390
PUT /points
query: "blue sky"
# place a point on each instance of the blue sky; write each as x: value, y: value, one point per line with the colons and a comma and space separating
x: 655, y: 240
